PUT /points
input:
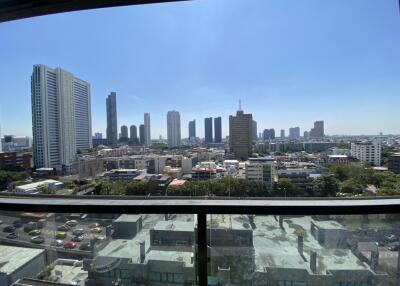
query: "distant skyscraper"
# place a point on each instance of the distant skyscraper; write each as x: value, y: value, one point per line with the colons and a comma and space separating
x: 208, y: 138
x: 254, y: 130
x: 133, y: 133
x: 112, y: 127
x: 192, y: 129
x: 217, y: 130
x: 318, y: 130
x: 272, y: 133
x: 306, y: 135
x: 98, y: 135
x: 141, y: 134
x: 266, y: 134
x: 294, y: 133
x: 124, y: 133
x: 61, y: 117
x: 240, y: 134
x: 173, y: 129
x: 282, y: 134
x: 147, y: 131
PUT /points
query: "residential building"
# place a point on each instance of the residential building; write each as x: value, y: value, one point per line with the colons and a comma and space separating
x: 306, y: 135
x: 88, y: 167
x: 208, y: 130
x: 294, y: 133
x: 15, y: 160
x: 112, y: 126
x: 142, y: 134
x: 124, y: 133
x: 217, y: 130
x: 262, y: 169
x: 10, y: 143
x: 192, y: 130
x: 269, y: 134
x: 147, y: 131
x: 394, y: 163
x: 98, y: 135
x: 282, y: 134
x: 368, y: 151
x: 254, y: 130
x: 240, y: 134
x: 133, y: 133
x: 318, y: 130
x: 61, y: 117
x: 173, y: 129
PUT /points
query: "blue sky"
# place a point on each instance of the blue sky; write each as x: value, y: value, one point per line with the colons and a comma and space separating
x: 290, y: 62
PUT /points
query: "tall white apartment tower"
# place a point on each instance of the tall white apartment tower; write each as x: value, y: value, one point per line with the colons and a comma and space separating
x: 368, y: 151
x: 147, y: 132
x: 173, y: 129
x: 61, y: 117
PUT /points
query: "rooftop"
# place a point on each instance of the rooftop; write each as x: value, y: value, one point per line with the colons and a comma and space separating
x: 13, y: 257
x: 174, y: 225
x: 128, y: 218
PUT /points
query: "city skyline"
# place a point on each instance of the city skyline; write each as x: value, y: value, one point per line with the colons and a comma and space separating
x: 282, y: 81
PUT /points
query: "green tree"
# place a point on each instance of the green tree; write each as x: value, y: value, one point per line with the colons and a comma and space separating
x: 326, y: 186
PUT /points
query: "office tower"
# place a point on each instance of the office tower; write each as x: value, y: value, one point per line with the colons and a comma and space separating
x: 260, y: 135
x: 124, y: 133
x: 254, y: 130
x: 208, y: 138
x: 240, y: 134
x: 112, y: 127
x: 61, y: 117
x: 368, y: 151
x: 192, y: 130
x: 306, y: 135
x: 266, y: 134
x: 141, y: 134
x: 217, y: 130
x: 318, y: 130
x: 294, y: 133
x: 133, y: 133
x: 173, y: 129
x: 282, y: 134
x: 147, y: 131
x: 272, y: 133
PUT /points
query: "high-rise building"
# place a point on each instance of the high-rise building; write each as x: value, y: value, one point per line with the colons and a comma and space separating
x: 368, y: 151
x: 318, y: 130
x: 240, y: 134
x: 112, y: 127
x: 98, y: 135
x: 306, y: 135
x: 282, y: 134
x: 294, y: 133
x: 217, y: 130
x: 124, y: 133
x: 266, y: 134
x: 133, y: 133
x: 141, y: 134
x: 254, y: 130
x: 173, y: 129
x: 272, y: 133
x: 147, y: 131
x: 192, y: 130
x: 208, y: 138
x: 61, y: 117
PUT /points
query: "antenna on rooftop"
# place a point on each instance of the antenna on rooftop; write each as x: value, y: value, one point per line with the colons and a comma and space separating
x: 240, y: 105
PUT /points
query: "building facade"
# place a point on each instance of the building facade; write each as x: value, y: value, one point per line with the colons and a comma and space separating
x: 254, y: 130
x: 141, y: 134
x: 294, y: 133
x: 217, y: 130
x: 240, y: 135
x: 318, y: 130
x: 173, y: 129
x: 394, y: 163
x: 112, y: 126
x: 192, y: 130
x: 208, y: 130
x: 369, y: 151
x: 61, y: 117
x: 133, y: 133
x: 147, y: 130
x: 124, y: 133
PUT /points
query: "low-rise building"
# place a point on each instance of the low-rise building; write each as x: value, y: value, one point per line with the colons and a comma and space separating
x: 368, y: 151
x: 35, y: 188
x: 262, y: 169
x: 88, y: 167
x: 338, y: 159
x: 123, y: 174
x: 13, y: 160
x: 394, y: 163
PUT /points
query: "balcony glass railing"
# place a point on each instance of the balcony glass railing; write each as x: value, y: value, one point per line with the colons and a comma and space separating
x: 161, y: 242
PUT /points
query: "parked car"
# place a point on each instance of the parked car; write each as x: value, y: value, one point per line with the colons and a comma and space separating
x: 394, y: 247
x: 391, y: 238
x: 63, y: 228
x: 96, y: 230
x: 70, y: 245
x: 12, y: 235
x: 94, y: 225
x: 37, y: 239
x: 57, y: 243
x: 9, y: 229
x: 77, y: 238
x: 18, y: 224
x: 34, y: 232
x: 85, y: 246
x: 72, y: 223
x: 61, y: 235
x: 99, y: 237
x: 78, y: 231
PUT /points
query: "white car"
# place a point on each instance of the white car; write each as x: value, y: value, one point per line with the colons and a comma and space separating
x: 72, y: 223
